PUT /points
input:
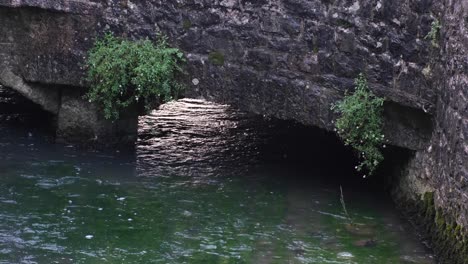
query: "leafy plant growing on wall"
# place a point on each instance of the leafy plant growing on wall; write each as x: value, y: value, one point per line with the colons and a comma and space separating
x: 433, y: 35
x: 124, y: 73
x: 360, y: 124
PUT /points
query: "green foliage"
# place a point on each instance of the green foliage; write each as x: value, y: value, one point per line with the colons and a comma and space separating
x: 360, y: 124
x: 433, y: 35
x: 123, y: 73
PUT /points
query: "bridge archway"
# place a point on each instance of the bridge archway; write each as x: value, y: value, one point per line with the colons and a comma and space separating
x: 46, y: 96
x: 18, y: 111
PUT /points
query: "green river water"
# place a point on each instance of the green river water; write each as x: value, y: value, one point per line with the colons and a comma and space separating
x: 196, y: 190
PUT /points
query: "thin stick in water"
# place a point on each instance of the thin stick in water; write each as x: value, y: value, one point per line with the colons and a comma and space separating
x: 344, y: 206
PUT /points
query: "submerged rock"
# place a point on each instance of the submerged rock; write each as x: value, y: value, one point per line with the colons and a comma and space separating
x: 365, y: 243
x: 360, y: 229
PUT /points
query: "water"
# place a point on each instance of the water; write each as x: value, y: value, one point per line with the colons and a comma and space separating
x: 206, y: 184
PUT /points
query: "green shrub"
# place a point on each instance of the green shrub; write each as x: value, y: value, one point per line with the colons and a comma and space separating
x: 433, y: 35
x: 123, y: 73
x: 360, y: 124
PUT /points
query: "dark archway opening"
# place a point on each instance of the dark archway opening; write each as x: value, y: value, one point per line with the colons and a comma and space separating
x: 203, y: 139
x: 23, y: 117
x: 303, y: 148
x: 217, y: 138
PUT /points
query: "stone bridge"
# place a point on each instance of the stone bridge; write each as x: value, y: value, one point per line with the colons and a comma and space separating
x: 286, y: 59
x: 289, y: 59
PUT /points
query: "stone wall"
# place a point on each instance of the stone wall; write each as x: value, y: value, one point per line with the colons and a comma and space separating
x: 281, y: 58
x: 43, y: 45
x: 450, y: 140
x: 436, y: 179
x: 293, y: 59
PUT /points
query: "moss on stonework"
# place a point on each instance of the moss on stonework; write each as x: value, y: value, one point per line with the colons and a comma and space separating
x: 186, y: 24
x: 344, y: 23
x: 315, y: 46
x: 316, y: 49
x: 450, y: 240
x: 216, y: 58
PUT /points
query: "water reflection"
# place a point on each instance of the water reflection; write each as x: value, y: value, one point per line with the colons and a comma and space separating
x: 207, y: 185
x: 197, y: 138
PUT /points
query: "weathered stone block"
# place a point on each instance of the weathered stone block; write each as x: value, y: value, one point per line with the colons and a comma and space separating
x: 83, y: 123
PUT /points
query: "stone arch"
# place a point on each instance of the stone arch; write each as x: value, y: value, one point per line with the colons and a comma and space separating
x: 47, y: 97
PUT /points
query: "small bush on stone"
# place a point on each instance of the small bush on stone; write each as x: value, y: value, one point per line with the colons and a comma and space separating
x: 360, y: 124
x: 123, y: 73
x: 433, y: 35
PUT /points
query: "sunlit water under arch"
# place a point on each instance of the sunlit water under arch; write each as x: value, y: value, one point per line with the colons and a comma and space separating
x: 198, y: 189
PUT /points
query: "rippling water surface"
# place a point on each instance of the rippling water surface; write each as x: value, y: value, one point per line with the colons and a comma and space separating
x: 206, y: 184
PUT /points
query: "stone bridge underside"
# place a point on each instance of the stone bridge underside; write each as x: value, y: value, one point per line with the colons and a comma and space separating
x: 289, y: 59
